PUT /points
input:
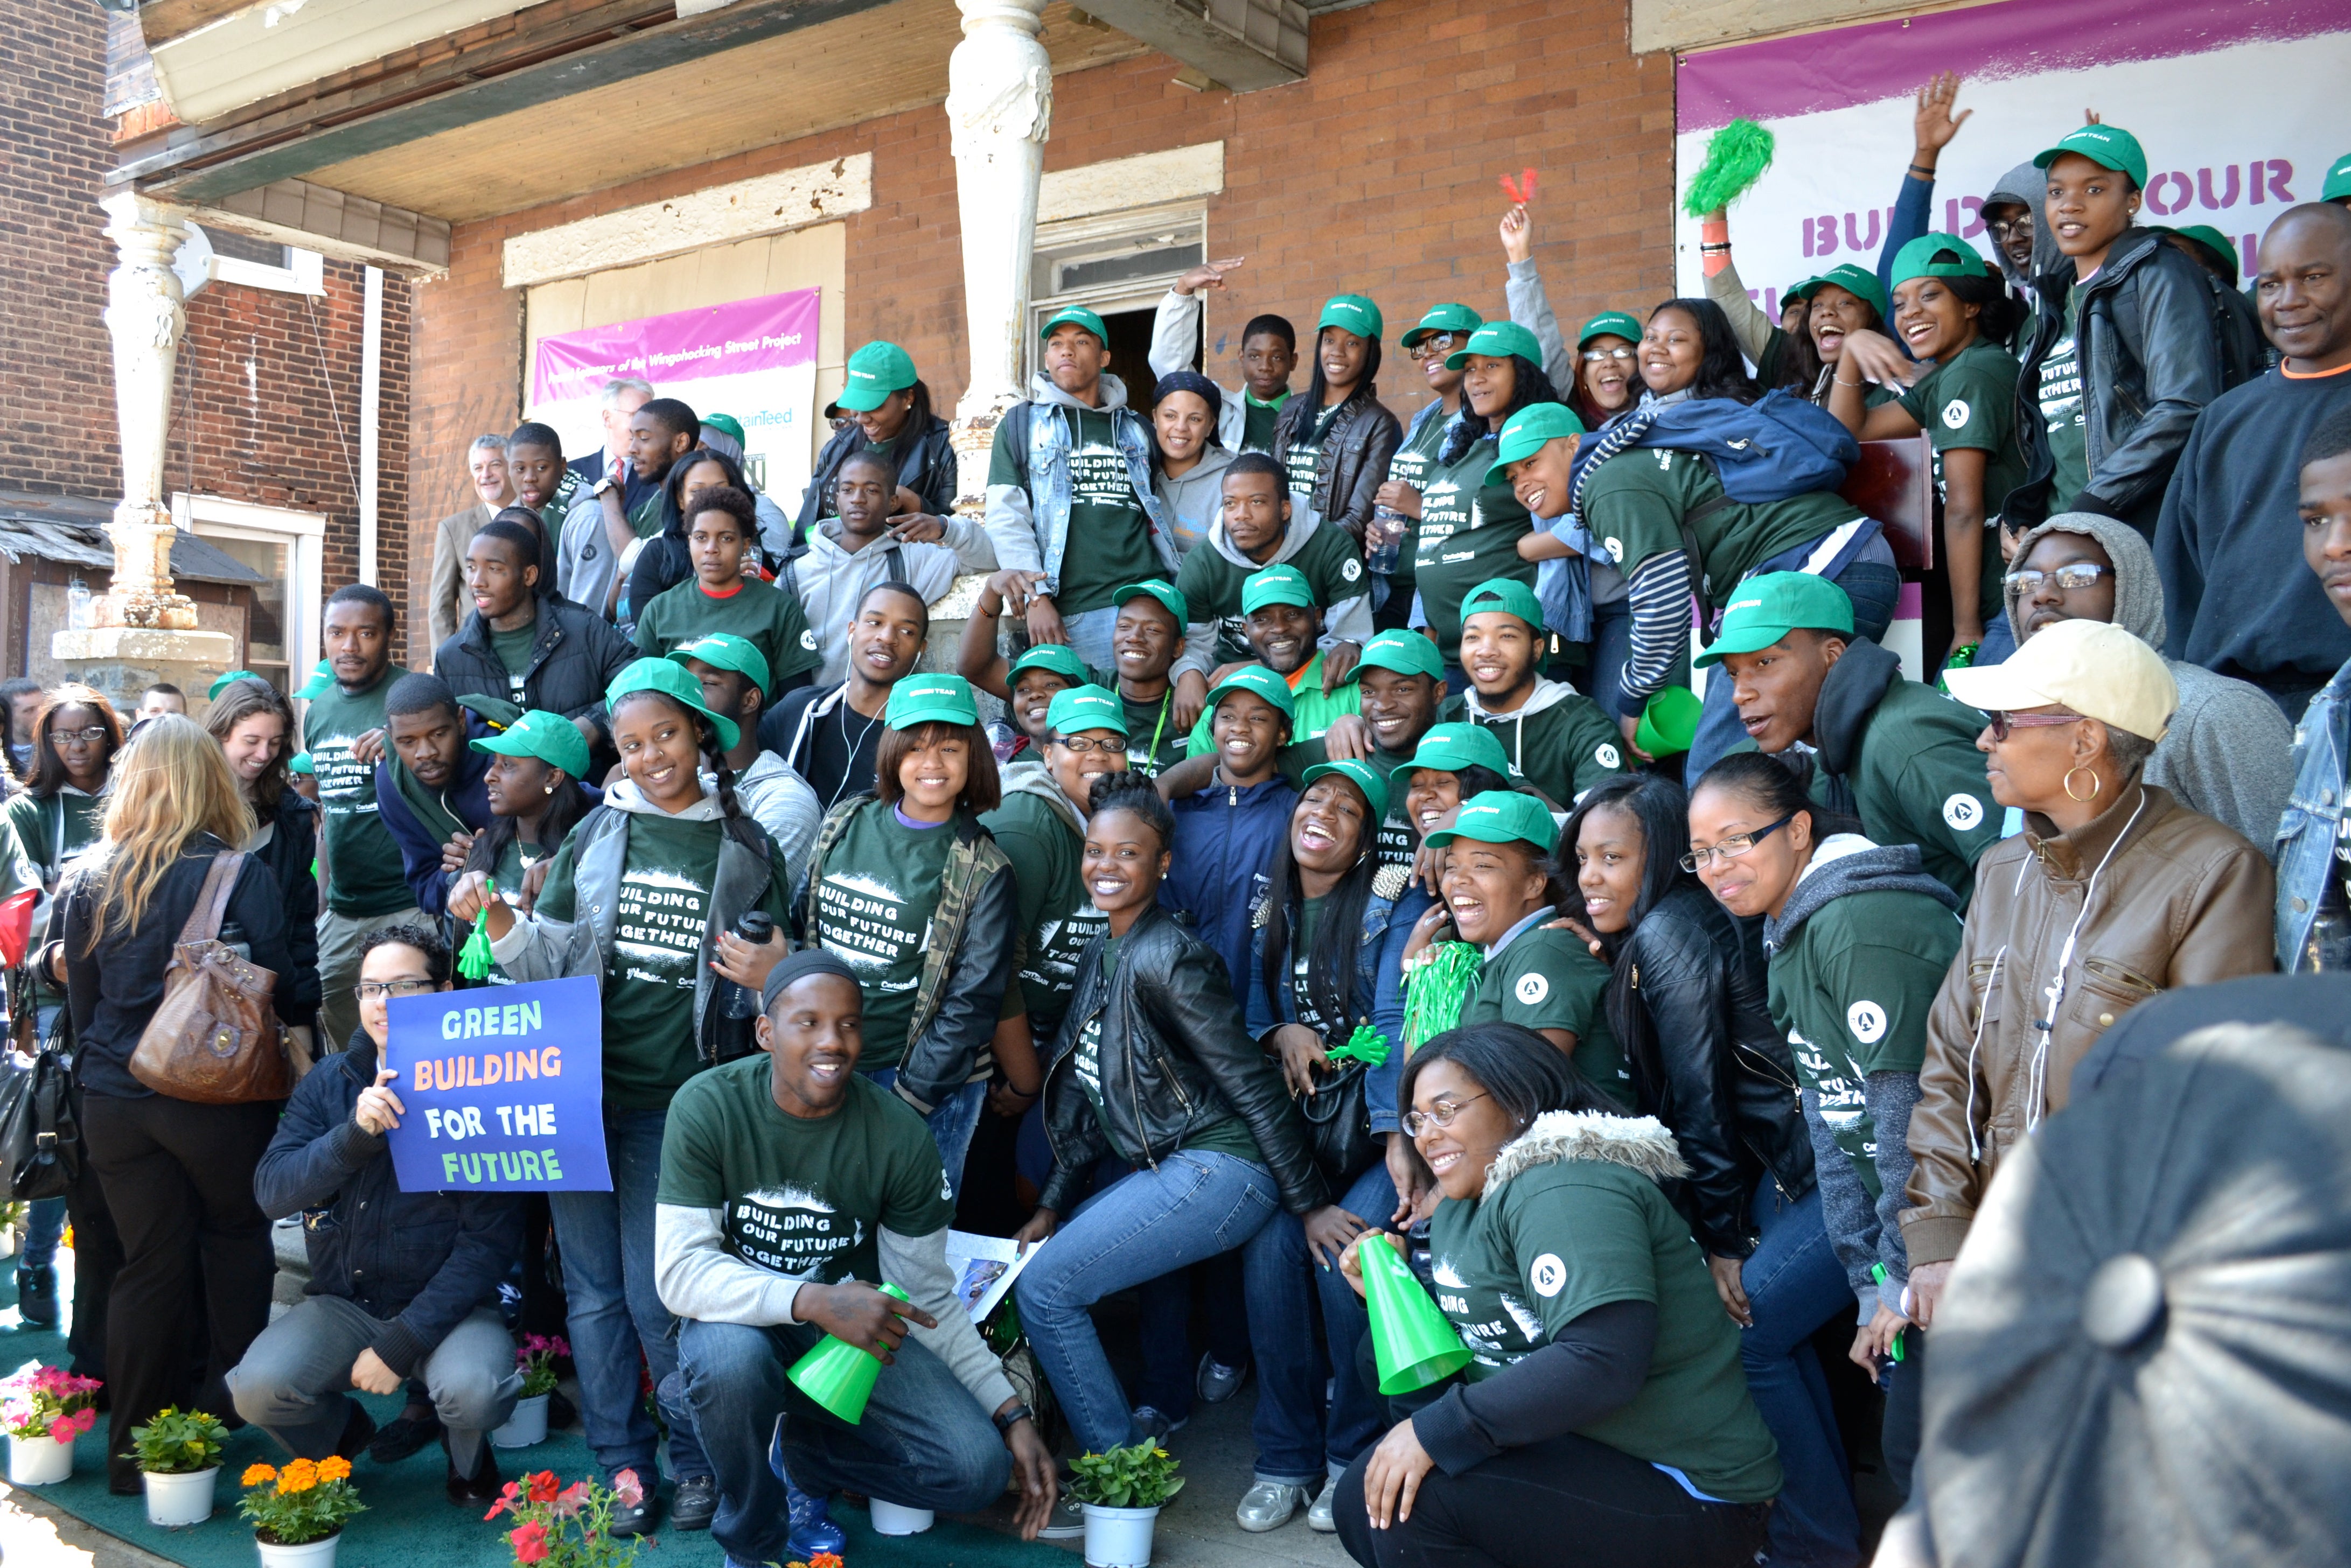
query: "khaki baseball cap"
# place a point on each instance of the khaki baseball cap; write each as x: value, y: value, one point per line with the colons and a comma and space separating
x: 2092, y: 666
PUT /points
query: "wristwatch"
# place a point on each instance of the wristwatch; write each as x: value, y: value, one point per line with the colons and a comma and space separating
x: 1004, y: 1419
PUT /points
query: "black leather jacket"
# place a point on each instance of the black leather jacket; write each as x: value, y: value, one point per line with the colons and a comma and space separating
x: 1353, y: 463
x: 1709, y: 1064
x: 1175, y: 1058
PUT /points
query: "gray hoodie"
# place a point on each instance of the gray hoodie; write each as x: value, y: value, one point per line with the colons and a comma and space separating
x: 1196, y: 500
x: 2028, y: 187
x: 1030, y: 776
x: 1348, y: 620
x: 2230, y: 751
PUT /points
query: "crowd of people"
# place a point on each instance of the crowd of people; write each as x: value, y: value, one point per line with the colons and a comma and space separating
x: 1317, y: 844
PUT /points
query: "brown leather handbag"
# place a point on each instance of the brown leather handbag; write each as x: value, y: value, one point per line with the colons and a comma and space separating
x: 214, y: 1040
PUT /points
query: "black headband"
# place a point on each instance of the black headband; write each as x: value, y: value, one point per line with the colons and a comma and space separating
x: 798, y: 966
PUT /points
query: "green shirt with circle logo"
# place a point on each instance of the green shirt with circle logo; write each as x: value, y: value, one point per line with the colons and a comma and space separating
x: 1546, y: 979
x: 760, y: 613
x: 1469, y: 534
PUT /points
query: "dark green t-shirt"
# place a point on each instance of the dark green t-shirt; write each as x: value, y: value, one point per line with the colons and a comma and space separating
x: 1257, y: 420
x: 1410, y: 466
x: 1306, y: 453
x: 516, y: 858
x: 1562, y: 749
x: 1332, y: 563
x: 1153, y: 740
x: 1635, y: 503
x: 1549, y: 979
x: 1109, y: 540
x: 2060, y: 396
x: 513, y: 649
x: 1519, y: 1264
x: 872, y: 909
x: 366, y: 877
x: 1971, y: 403
x: 802, y: 1196
x: 1057, y: 919
x: 1469, y: 534
x: 1398, y: 841
x: 53, y: 831
x: 759, y: 613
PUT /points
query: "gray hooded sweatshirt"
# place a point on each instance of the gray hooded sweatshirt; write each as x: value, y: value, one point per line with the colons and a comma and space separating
x: 1347, y: 620
x: 2230, y: 751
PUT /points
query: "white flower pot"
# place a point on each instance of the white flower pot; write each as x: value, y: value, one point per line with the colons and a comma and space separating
x: 1119, y: 1537
x: 527, y: 1426
x: 309, y: 1555
x: 38, y: 1461
x: 177, y: 1500
x: 897, y: 1519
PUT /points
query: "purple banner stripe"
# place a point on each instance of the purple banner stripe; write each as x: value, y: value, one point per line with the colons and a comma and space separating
x: 767, y: 333
x: 1872, y: 61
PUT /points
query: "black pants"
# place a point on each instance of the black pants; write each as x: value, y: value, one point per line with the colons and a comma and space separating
x: 1898, y: 1436
x: 179, y: 1180
x: 1568, y: 1503
x: 96, y: 1259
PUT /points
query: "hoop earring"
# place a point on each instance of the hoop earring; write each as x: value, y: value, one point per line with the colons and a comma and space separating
x: 2096, y: 783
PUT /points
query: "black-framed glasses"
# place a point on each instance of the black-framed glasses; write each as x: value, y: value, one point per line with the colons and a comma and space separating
x: 2071, y: 577
x: 1427, y: 347
x: 368, y: 990
x: 1732, y: 847
x: 2004, y: 723
x: 1079, y: 746
x: 1440, y: 1115
x: 2005, y: 229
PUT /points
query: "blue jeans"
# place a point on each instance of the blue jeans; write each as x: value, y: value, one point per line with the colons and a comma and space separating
x: 1193, y: 1206
x: 1794, y: 1284
x: 952, y: 1122
x: 1294, y: 1443
x: 45, y: 1224
x: 1612, y: 644
x: 1999, y: 642
x: 607, y: 1243
x: 923, y: 1442
x: 1089, y: 634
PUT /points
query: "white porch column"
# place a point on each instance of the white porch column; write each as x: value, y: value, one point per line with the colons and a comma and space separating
x: 999, y: 111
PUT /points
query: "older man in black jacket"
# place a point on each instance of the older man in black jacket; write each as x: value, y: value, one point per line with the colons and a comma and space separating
x: 531, y: 650
x: 400, y: 1283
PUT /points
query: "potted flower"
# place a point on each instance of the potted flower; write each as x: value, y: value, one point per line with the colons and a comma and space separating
x: 45, y: 1408
x: 298, y: 1513
x: 179, y: 1454
x: 558, y: 1526
x: 1123, y: 1492
x: 537, y: 1357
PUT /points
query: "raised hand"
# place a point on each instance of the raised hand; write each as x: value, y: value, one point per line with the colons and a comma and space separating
x: 1933, y: 124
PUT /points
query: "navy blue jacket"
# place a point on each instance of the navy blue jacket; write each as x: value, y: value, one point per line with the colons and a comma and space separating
x: 1377, y: 994
x: 1225, y: 837
x: 420, y: 1261
x: 463, y: 797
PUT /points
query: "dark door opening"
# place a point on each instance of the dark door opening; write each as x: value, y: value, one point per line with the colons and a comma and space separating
x: 1130, y: 356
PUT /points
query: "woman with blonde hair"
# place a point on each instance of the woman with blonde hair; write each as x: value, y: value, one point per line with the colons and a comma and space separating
x: 177, y: 1175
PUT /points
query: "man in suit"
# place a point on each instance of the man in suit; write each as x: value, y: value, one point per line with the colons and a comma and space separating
x: 623, y: 396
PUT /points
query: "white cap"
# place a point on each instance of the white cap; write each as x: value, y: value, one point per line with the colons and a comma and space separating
x: 2092, y: 666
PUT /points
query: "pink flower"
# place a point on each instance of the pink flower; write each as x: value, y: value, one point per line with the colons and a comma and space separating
x: 506, y: 1500
x: 572, y: 1498
x: 530, y: 1543
x: 628, y: 1488
x: 66, y: 1429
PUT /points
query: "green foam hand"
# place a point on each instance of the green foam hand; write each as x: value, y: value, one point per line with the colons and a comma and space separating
x: 1366, y: 1045
x: 473, y: 960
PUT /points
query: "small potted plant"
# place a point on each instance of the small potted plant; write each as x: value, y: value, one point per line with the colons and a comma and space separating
x: 558, y: 1526
x: 298, y: 1513
x: 179, y: 1454
x: 1123, y: 1492
x: 45, y: 1408
x: 537, y: 1357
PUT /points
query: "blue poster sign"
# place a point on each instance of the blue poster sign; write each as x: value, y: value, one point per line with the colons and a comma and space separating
x: 504, y: 1086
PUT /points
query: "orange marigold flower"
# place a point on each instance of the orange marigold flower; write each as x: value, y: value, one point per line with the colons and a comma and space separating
x: 300, y: 1475
x: 826, y: 1560
x: 334, y: 1468
x: 258, y: 1475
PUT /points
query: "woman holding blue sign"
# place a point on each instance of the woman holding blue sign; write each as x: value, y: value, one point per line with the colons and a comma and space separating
x: 644, y: 894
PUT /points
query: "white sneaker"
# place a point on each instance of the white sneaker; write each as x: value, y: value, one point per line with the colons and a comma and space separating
x: 1319, y: 1517
x: 1268, y: 1505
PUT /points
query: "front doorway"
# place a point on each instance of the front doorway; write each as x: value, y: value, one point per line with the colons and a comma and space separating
x: 1117, y: 264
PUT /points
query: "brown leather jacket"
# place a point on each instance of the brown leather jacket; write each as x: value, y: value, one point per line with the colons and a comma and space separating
x: 2183, y: 902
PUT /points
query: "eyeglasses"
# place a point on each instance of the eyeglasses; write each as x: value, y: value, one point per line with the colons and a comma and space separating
x: 2002, y: 723
x: 1732, y: 847
x: 1602, y: 355
x: 370, y: 990
x: 89, y: 736
x: 1427, y: 347
x: 2010, y: 228
x: 1441, y: 1115
x: 1078, y: 746
x: 2072, y: 576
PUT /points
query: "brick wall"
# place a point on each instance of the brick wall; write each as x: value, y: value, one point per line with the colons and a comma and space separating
x: 1375, y: 174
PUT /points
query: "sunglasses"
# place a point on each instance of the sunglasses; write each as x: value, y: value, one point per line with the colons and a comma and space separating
x: 1432, y: 347
x: 2072, y: 577
x: 2004, y: 723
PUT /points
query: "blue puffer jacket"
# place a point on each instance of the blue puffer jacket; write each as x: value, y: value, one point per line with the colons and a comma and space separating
x: 2313, y: 823
x: 1225, y: 838
x: 1377, y: 996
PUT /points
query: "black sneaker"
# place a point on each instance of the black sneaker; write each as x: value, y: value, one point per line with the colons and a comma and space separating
x: 416, y: 1428
x: 36, y: 1296
x: 483, y: 1486
x: 561, y: 1413
x: 628, y: 1524
x: 359, y: 1430
x: 695, y: 1502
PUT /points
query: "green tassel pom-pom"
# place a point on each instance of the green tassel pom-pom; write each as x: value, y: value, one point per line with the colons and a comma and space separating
x: 474, y: 958
x: 1735, y: 157
x: 1435, y: 994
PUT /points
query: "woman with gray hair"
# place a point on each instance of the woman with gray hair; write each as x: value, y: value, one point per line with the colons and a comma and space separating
x: 2113, y: 892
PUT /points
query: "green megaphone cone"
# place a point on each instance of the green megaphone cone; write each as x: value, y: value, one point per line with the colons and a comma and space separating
x: 1412, y: 1341
x: 840, y: 1375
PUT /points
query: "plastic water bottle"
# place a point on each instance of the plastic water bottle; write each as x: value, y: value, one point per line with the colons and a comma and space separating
x: 755, y: 927
x: 1384, y: 540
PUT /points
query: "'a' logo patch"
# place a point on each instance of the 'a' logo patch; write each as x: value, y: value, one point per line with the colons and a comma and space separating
x: 1963, y: 812
x: 1351, y: 568
x: 1532, y: 988
x: 1867, y: 1021
x: 1608, y: 755
x: 1615, y: 550
x: 1548, y: 1276
x: 1956, y: 413
x: 808, y: 640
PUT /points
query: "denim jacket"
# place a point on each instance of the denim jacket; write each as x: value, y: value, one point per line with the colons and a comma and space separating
x: 1379, y: 975
x: 1033, y: 532
x: 2313, y: 823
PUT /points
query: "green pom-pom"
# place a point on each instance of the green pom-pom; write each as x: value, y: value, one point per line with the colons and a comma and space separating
x: 1435, y: 994
x: 1735, y: 157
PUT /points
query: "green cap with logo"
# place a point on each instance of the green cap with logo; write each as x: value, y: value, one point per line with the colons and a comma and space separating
x: 1526, y: 432
x: 1618, y: 322
x: 1282, y: 584
x: 321, y: 681
x: 211, y: 692
x: 1057, y: 658
x: 1159, y: 588
x: 2107, y: 146
x: 1916, y: 259
x: 931, y: 698
x: 2223, y: 252
x: 725, y: 424
x: 1766, y: 609
x: 875, y: 371
x: 550, y: 737
x: 1501, y: 816
x: 1364, y: 776
x: 2338, y: 181
x: 1449, y: 748
x: 1076, y: 316
x: 1353, y: 313
x: 1858, y: 281
x: 1083, y: 708
x: 1509, y: 596
x: 1449, y: 316
x: 1258, y: 681
x: 673, y: 682
x: 1494, y: 339
x: 1406, y: 652
x: 300, y: 762
x: 724, y: 651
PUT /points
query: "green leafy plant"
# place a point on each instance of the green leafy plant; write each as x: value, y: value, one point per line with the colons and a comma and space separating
x: 536, y: 1357
x: 1141, y: 1475
x: 178, y: 1442
x: 304, y: 1501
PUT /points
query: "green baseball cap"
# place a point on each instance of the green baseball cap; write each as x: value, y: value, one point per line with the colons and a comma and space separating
x: 2213, y: 240
x: 1159, y: 588
x: 211, y: 692
x: 1082, y: 707
x: 1076, y: 316
x: 878, y: 370
x: 724, y: 651
x: 1764, y: 609
x: 1499, y: 816
x: 1621, y: 323
x: 1494, y: 339
x: 1259, y: 681
x: 1528, y: 431
x: 321, y: 681
x: 673, y: 682
x: 727, y: 424
x: 1364, y: 776
x: 1507, y: 595
x: 2338, y: 181
x: 1449, y: 748
x: 1449, y: 316
x: 1059, y: 657
x: 931, y: 698
x: 1916, y: 259
x: 550, y: 737
x: 1353, y: 313
x: 1406, y: 652
x: 2107, y: 146
x: 1282, y: 584
x: 300, y: 762
x: 1854, y: 280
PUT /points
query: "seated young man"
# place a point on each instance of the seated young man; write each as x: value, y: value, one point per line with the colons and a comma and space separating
x: 1558, y: 739
x: 402, y: 1283
x: 1281, y: 624
x: 1146, y: 641
x: 866, y: 543
x: 791, y: 1187
x: 724, y: 597
x: 428, y: 786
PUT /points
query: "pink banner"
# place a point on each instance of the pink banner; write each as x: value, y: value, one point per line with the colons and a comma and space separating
x: 771, y: 333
